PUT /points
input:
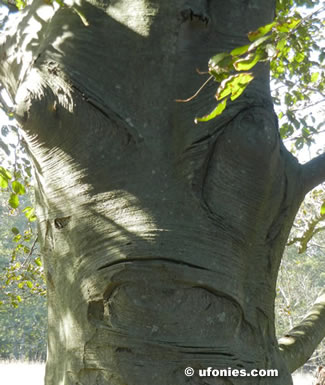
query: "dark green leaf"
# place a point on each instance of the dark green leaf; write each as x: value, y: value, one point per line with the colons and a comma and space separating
x: 14, y: 201
x: 15, y: 231
x: 18, y: 188
x: 217, y: 59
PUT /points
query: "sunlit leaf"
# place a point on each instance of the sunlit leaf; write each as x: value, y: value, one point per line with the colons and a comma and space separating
x: 20, y: 4
x: 322, y: 210
x: 5, y: 173
x: 252, y: 36
x: 314, y: 77
x: 30, y: 213
x: 299, y: 57
x: 281, y: 44
x: 240, y: 50
x: 258, y: 42
x: 38, y: 261
x: 217, y: 111
x: 247, y: 63
x: 3, y: 182
x: 243, y: 81
x: 234, y: 86
x: 288, y: 26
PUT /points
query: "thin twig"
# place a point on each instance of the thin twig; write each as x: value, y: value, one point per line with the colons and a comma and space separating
x: 30, y: 252
x: 196, y: 93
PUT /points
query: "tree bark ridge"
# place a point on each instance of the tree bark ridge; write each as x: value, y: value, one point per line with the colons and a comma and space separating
x: 314, y: 172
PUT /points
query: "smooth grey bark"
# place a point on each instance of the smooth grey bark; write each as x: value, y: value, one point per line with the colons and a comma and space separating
x: 314, y: 172
x: 161, y: 239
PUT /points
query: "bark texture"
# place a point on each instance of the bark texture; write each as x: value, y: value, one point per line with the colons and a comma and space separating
x: 161, y: 239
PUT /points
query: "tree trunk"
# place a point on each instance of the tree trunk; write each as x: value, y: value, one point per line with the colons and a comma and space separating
x: 161, y: 239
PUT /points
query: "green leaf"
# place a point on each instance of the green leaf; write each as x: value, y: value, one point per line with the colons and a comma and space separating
x: 14, y: 201
x: 216, y: 59
x: 38, y: 261
x: 234, y: 86
x: 15, y: 230
x: 299, y: 143
x: 240, y: 50
x: 314, y: 77
x: 29, y: 284
x: 262, y: 31
x: 219, y: 75
x: 299, y: 57
x: 288, y: 25
x: 217, y: 111
x: 18, y: 188
x: 17, y: 238
x: 258, y: 42
x: 281, y: 44
x: 30, y: 213
x: 3, y: 182
x: 26, y: 250
x: 322, y: 209
x: 20, y: 4
x: 240, y: 85
x: 247, y: 63
x: 5, y: 173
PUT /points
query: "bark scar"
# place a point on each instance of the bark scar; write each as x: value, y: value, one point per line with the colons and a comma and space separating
x: 190, y: 14
x: 60, y: 223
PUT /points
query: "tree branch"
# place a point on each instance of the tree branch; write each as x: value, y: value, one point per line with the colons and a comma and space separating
x: 308, y: 233
x: 313, y: 172
x: 299, y: 344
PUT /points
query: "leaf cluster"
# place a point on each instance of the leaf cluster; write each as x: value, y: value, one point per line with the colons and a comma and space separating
x: 21, y: 273
x: 293, y: 44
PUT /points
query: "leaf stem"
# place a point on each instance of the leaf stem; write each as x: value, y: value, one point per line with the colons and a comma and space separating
x: 196, y: 93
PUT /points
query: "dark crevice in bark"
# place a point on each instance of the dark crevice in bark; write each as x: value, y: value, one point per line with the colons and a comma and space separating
x: 192, y: 15
x: 60, y: 223
x: 210, y: 140
x: 208, y: 353
x: 142, y: 260
x: 196, y: 10
x: 276, y: 226
x: 132, y: 136
x: 219, y: 294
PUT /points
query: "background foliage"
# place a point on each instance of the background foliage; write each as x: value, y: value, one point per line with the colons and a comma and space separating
x: 302, y: 272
